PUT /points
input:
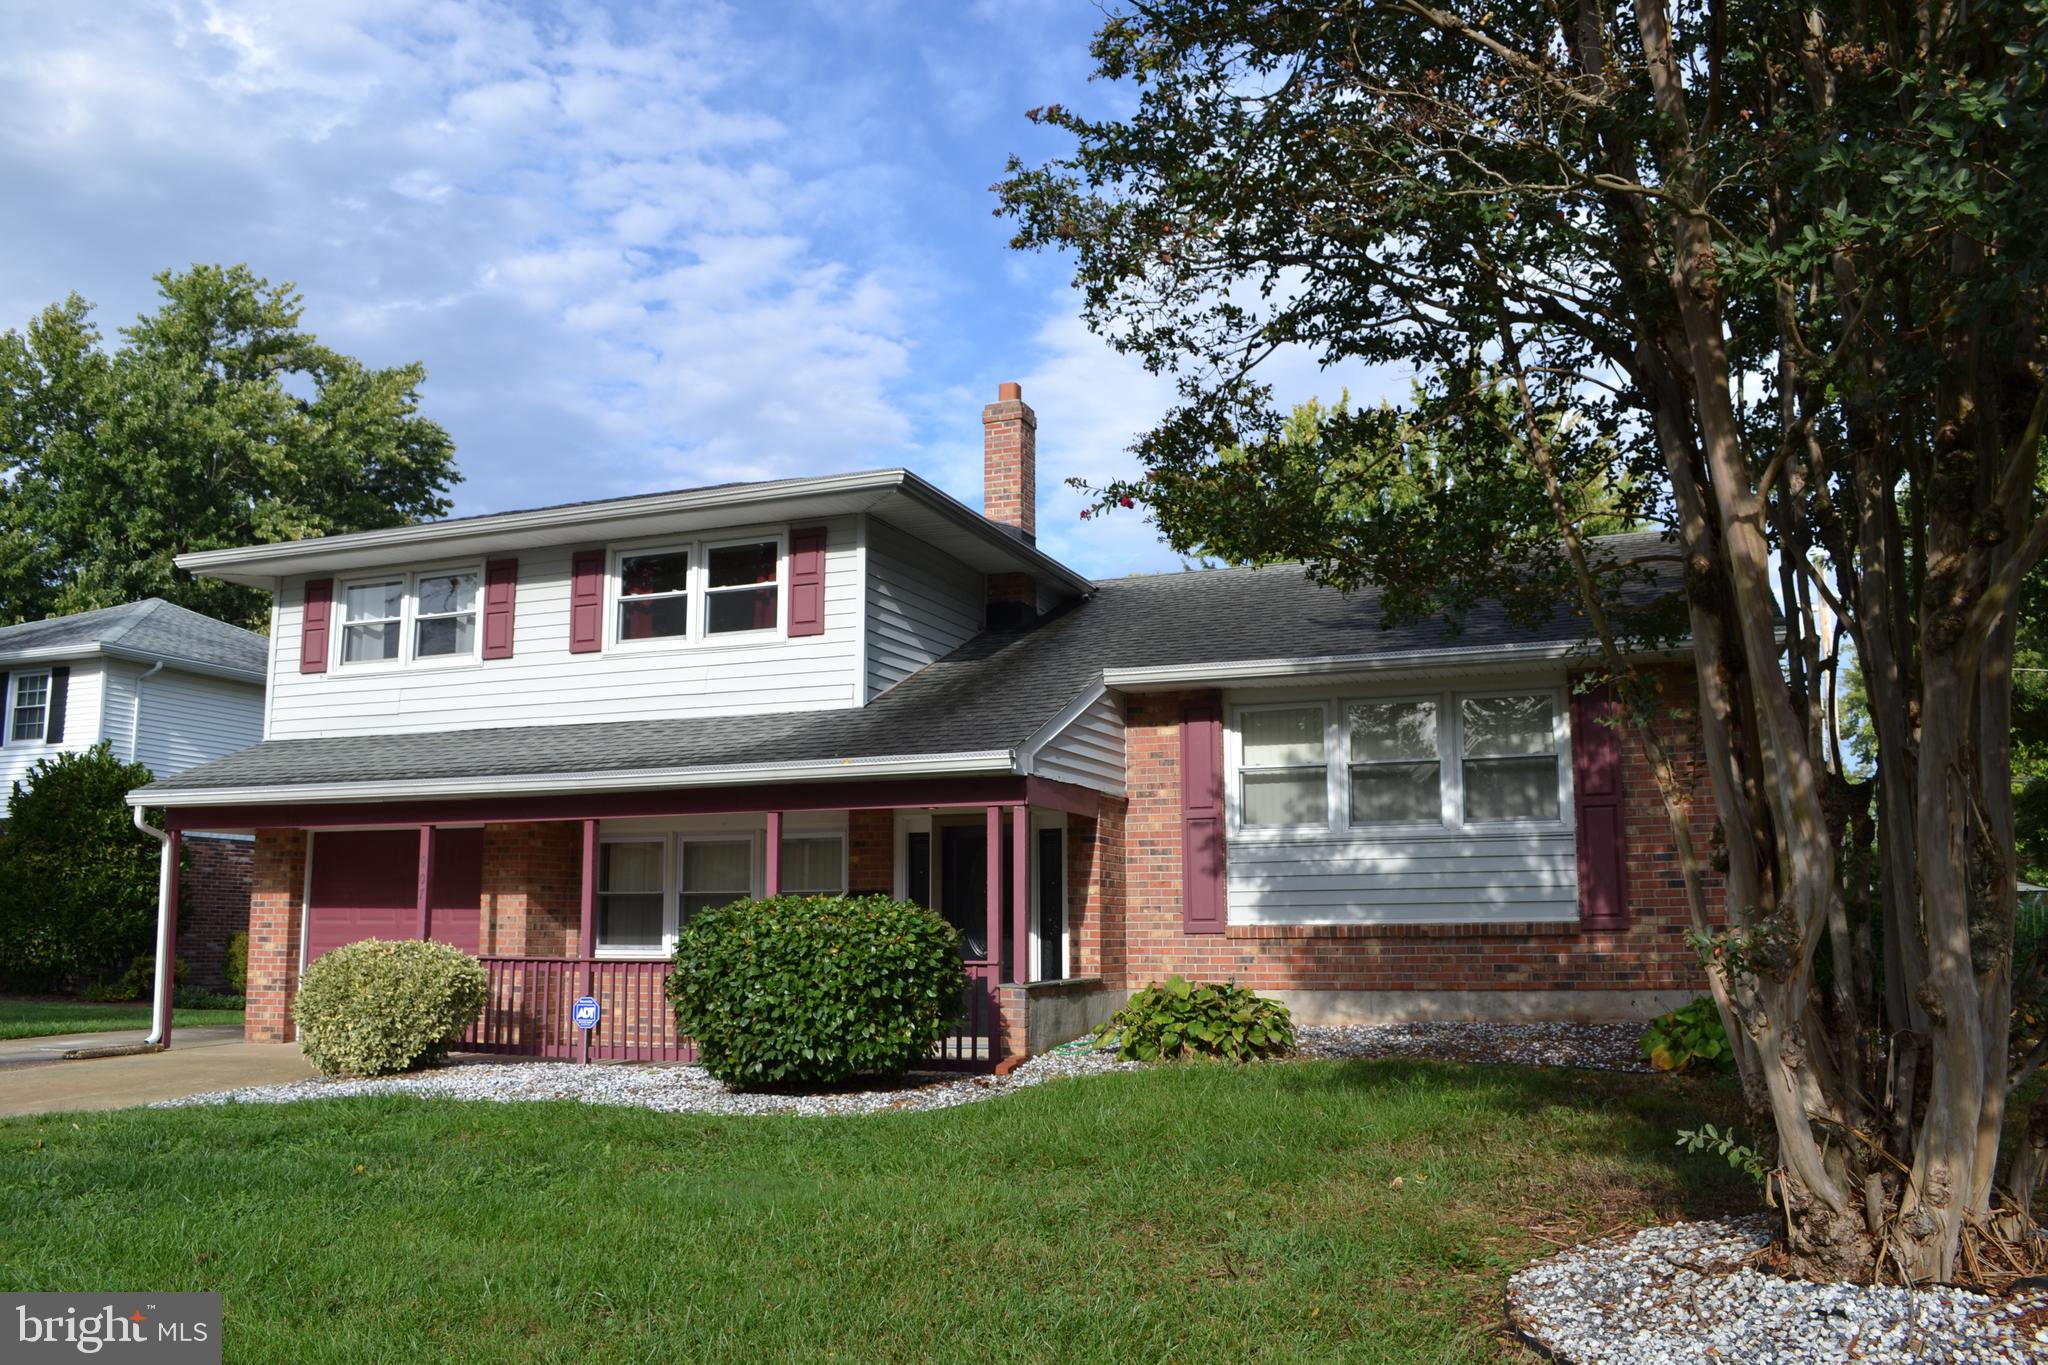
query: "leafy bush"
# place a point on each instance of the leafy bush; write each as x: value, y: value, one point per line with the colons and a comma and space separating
x: 1688, y: 1037
x: 197, y: 999
x: 377, y: 1006
x: 237, y: 962
x: 77, y: 880
x: 1178, y: 1018
x: 137, y: 983
x: 815, y: 990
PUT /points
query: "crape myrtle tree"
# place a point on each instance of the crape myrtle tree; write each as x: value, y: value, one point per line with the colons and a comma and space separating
x: 1775, y: 273
x: 218, y: 420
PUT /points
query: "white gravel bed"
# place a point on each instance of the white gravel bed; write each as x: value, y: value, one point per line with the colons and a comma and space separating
x: 1604, y: 1047
x: 1683, y: 1294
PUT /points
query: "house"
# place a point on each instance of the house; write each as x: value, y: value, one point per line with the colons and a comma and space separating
x: 550, y: 737
x: 164, y: 687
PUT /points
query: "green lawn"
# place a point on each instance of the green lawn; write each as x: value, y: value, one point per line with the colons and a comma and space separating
x: 43, y: 1018
x: 1187, y: 1213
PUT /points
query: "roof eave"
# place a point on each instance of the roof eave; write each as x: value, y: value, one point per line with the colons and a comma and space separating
x: 57, y: 654
x: 1251, y: 671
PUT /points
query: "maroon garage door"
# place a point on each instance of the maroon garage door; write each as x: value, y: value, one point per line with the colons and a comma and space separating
x: 365, y: 884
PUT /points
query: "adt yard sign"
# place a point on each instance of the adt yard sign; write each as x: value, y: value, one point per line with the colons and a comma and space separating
x: 587, y: 1012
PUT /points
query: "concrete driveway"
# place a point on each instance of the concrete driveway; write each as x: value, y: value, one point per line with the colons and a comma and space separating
x: 34, y: 1078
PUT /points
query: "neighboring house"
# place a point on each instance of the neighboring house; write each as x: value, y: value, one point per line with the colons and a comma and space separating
x: 164, y: 687
x: 551, y: 737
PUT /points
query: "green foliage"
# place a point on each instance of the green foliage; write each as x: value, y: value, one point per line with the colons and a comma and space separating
x: 376, y: 1006
x: 77, y: 879
x: 1178, y: 1018
x: 137, y: 983
x: 196, y: 998
x: 237, y: 962
x: 218, y: 421
x: 1726, y: 1143
x: 816, y: 990
x: 1688, y: 1037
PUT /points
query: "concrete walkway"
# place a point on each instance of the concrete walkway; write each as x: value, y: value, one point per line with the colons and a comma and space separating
x: 34, y: 1078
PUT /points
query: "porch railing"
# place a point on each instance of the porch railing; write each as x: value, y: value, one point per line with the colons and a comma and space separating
x: 529, y: 1009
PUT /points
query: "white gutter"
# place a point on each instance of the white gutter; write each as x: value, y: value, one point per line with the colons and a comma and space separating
x: 1258, y: 670
x: 166, y: 926
x: 545, y: 784
x: 135, y: 710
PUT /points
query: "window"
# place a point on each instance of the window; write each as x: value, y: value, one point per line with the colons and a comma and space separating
x: 742, y: 589
x: 372, y: 621
x: 715, y: 872
x: 444, y: 615
x: 1396, y: 774
x: 1284, y: 769
x: 654, y: 595
x: 629, y: 895
x: 813, y: 866
x: 1510, y: 753
x: 31, y: 706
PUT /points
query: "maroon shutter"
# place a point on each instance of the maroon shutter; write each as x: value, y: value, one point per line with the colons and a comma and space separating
x: 586, y: 602
x: 1201, y: 818
x: 1597, y: 797
x: 501, y: 590
x: 807, y: 581
x: 313, y: 625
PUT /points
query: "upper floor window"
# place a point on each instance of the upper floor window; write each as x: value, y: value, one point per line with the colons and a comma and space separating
x: 444, y: 620
x: 654, y: 595
x: 427, y: 615
x: 699, y: 591
x: 30, y: 717
x: 372, y: 621
x: 742, y: 589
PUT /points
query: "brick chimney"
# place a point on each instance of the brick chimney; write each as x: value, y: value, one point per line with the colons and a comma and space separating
x: 1009, y: 462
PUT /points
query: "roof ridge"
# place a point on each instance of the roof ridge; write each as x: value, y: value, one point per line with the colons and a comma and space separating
x: 134, y: 618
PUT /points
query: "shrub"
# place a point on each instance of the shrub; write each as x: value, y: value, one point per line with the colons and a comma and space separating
x: 816, y: 990
x: 1178, y: 1018
x: 1688, y: 1037
x: 198, y: 999
x: 77, y: 880
x: 236, y: 962
x: 137, y: 983
x: 376, y: 1006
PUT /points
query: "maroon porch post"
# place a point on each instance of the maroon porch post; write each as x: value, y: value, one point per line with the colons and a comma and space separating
x: 426, y: 909
x: 586, y: 938
x: 168, y: 976
x: 771, y: 883
x: 1020, y: 893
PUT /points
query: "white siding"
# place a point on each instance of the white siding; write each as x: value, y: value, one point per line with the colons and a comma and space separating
x: 189, y: 718
x: 1403, y: 879
x: 82, y: 707
x: 921, y: 605
x: 543, y: 683
x: 1088, y: 750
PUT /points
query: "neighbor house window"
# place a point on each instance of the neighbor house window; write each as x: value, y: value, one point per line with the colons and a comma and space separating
x: 444, y: 615
x: 654, y: 595
x: 1396, y: 774
x: 742, y: 588
x: 715, y: 872
x: 31, y: 706
x: 372, y: 621
x: 629, y: 895
x: 1510, y: 758
x: 1284, y: 770
x: 813, y: 866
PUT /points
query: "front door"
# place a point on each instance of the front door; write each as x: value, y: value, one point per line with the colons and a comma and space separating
x: 1052, y: 905
x: 963, y: 885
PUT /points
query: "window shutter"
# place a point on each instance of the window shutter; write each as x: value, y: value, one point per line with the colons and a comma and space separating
x: 586, y: 602
x: 1201, y: 818
x: 1597, y: 801
x: 807, y: 581
x: 60, y: 688
x: 313, y: 625
x: 6, y: 714
x: 501, y: 589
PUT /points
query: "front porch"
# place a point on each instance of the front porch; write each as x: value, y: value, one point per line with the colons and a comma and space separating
x: 585, y: 894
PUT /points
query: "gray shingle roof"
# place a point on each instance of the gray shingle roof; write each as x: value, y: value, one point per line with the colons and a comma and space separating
x: 151, y: 627
x: 995, y: 692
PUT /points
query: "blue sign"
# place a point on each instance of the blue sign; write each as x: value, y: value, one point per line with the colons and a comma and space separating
x: 587, y: 1012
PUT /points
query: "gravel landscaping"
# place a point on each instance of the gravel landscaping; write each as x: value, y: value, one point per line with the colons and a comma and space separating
x: 1688, y: 1293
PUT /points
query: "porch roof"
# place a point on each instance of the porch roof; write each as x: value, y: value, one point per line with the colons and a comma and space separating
x: 981, y: 709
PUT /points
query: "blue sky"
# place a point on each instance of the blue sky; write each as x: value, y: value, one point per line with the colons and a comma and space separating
x: 637, y: 247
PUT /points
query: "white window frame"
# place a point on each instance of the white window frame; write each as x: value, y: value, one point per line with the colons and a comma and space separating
x: 408, y: 620
x: 699, y: 592
x: 820, y: 835
x: 1446, y: 810
x: 13, y: 700
x: 1234, y: 789
x: 667, y: 946
x: 1561, y: 743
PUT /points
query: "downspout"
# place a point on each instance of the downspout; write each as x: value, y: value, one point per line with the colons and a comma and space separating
x: 135, y: 711
x: 166, y: 931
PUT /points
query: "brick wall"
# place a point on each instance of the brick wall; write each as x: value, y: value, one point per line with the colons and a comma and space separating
x: 533, y: 889
x: 871, y: 853
x: 277, y: 889
x: 1651, y: 954
x: 1095, y: 893
x: 213, y: 905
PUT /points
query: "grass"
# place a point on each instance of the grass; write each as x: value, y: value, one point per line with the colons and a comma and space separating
x: 1359, y: 1210
x: 45, y: 1018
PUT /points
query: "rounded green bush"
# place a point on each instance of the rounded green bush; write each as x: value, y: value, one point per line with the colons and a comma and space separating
x: 1179, y: 1018
x: 816, y: 990
x: 237, y: 962
x: 376, y: 1006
